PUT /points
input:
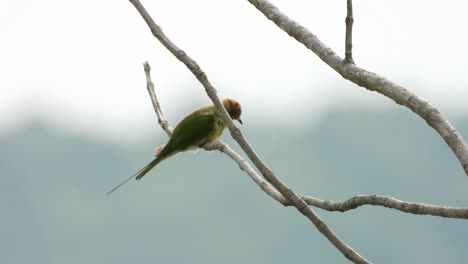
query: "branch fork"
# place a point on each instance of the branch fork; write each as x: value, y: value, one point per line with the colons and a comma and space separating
x: 270, y: 183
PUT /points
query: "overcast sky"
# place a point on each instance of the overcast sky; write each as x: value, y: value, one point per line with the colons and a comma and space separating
x: 78, y: 64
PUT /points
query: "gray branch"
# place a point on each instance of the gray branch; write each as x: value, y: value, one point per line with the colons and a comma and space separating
x: 389, y: 202
x: 349, y: 33
x: 299, y: 201
x: 350, y: 204
x: 370, y: 80
x: 162, y: 120
x: 290, y: 195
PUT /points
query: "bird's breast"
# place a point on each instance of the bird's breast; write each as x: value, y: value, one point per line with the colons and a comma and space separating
x: 217, y: 130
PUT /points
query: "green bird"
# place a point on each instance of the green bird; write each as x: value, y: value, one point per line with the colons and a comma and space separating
x: 204, y: 125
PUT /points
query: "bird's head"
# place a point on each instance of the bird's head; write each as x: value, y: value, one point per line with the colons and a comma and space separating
x: 233, y: 108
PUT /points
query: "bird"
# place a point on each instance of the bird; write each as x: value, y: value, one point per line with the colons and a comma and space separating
x: 204, y: 125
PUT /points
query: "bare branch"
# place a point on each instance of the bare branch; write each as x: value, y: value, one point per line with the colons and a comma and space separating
x: 350, y: 204
x: 290, y: 195
x: 245, y: 166
x: 162, y: 120
x: 349, y: 33
x: 389, y: 202
x: 370, y: 80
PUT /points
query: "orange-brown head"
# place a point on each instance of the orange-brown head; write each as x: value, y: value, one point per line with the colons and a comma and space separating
x: 233, y: 108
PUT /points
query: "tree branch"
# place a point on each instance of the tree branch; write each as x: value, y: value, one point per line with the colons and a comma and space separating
x: 162, y: 120
x: 370, y: 80
x: 290, y: 195
x: 389, y: 202
x: 349, y: 33
x: 350, y: 204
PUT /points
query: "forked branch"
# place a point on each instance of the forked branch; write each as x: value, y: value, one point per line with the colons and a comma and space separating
x: 369, y: 80
x: 281, y: 192
x: 285, y: 191
x: 332, y: 206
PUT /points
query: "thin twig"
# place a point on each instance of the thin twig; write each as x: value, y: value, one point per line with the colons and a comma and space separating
x: 290, y: 195
x: 370, y: 80
x: 389, y: 202
x: 245, y: 166
x: 162, y: 120
x: 349, y: 33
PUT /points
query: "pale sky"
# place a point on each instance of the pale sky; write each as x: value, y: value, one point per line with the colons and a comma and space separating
x: 78, y: 64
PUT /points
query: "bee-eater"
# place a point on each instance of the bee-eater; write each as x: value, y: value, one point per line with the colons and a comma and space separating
x: 204, y: 125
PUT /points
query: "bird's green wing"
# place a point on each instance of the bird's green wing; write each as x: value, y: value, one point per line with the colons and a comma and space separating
x: 192, y: 131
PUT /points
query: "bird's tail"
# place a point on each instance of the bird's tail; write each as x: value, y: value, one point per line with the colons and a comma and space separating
x: 139, y: 174
x: 147, y: 168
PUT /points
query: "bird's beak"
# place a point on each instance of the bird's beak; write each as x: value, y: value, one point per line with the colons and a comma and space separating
x: 240, y: 121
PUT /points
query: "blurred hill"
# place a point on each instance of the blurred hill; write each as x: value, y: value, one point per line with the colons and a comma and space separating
x: 200, y: 208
